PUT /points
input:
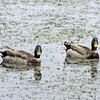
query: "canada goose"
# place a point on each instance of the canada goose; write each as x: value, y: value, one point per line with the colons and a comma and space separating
x: 21, y: 57
x: 81, y: 52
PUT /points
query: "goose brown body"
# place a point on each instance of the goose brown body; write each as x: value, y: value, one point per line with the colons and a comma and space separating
x: 78, y: 51
x: 82, y: 52
x: 22, y: 57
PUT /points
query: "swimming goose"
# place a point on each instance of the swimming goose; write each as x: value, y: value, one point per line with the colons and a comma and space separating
x: 21, y: 57
x: 81, y: 52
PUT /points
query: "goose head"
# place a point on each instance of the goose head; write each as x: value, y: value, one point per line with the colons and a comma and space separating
x: 94, y: 44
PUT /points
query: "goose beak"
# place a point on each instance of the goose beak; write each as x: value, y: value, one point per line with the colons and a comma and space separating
x: 38, y: 52
x: 95, y: 44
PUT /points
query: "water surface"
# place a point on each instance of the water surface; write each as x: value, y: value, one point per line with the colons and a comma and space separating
x: 24, y: 24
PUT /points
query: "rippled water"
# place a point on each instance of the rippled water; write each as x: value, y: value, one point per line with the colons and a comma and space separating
x: 26, y: 23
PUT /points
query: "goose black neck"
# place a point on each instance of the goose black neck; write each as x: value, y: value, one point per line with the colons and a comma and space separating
x: 94, y: 48
x: 36, y: 56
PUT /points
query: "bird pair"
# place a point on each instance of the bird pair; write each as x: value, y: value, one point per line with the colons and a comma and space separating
x: 73, y: 50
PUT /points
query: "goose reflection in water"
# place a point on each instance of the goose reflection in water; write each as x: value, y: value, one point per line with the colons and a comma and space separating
x: 20, y: 67
x: 37, y: 73
x: 94, y: 66
x: 91, y: 63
